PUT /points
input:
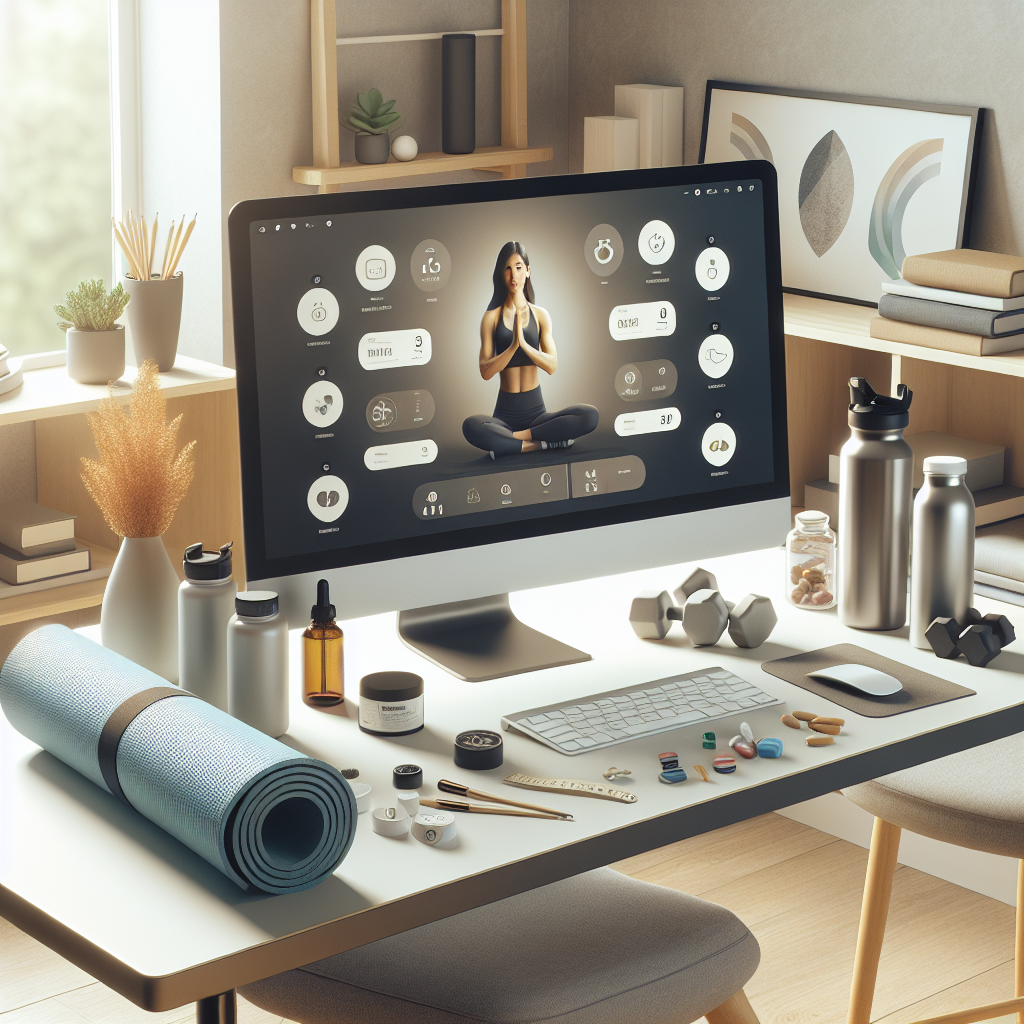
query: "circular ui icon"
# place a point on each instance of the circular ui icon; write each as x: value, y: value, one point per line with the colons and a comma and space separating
x: 375, y: 267
x: 603, y: 250
x: 718, y: 444
x: 317, y: 311
x: 712, y: 269
x: 715, y: 355
x: 430, y: 265
x: 327, y: 498
x: 656, y: 242
x: 322, y: 403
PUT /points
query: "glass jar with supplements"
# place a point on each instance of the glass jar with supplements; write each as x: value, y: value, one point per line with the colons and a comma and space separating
x: 811, y: 562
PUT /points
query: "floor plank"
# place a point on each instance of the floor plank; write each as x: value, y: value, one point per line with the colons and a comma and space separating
x: 989, y: 987
x: 46, y: 1011
x: 31, y: 972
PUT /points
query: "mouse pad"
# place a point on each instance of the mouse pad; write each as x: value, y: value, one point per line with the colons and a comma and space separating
x: 920, y: 689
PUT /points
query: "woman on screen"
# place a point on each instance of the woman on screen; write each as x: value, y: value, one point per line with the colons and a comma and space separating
x: 515, y: 339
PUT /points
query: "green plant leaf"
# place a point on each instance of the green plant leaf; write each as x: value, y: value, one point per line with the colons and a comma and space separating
x: 362, y: 126
x: 364, y: 102
x: 376, y: 99
x: 387, y: 106
x: 385, y: 120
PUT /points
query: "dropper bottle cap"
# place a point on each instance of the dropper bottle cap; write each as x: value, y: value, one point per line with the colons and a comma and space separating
x: 323, y: 611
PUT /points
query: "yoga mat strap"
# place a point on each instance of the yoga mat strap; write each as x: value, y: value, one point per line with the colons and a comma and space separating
x: 123, y: 716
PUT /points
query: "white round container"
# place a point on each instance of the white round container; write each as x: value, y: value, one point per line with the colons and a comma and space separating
x: 258, y: 662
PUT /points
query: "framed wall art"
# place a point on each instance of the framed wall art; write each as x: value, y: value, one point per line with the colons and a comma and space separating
x: 862, y: 182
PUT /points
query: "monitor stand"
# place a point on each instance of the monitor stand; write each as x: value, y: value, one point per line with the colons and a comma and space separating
x: 481, y: 639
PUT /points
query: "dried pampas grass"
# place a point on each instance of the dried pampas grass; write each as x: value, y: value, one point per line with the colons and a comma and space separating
x: 138, y: 482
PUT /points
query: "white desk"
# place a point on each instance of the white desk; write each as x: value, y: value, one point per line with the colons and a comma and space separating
x: 140, y: 912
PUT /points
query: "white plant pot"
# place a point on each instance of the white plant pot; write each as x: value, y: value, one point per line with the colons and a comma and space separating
x: 139, y: 617
x: 95, y: 357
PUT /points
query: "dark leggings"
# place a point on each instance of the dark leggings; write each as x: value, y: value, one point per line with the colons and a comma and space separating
x: 525, y: 410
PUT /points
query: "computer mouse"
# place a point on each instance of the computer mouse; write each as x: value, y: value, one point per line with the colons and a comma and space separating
x: 860, y: 677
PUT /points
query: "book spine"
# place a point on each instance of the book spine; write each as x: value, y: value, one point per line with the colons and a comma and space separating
x: 963, y: 277
x: 942, y: 315
x: 925, y: 337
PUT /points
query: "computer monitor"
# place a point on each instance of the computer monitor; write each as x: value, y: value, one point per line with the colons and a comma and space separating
x: 452, y: 392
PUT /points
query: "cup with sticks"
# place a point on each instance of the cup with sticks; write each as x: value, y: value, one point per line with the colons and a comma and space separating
x: 154, y: 313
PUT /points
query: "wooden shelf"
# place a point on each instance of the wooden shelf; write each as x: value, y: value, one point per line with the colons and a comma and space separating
x: 489, y: 158
x: 70, y: 597
x: 843, y: 323
x: 51, y: 392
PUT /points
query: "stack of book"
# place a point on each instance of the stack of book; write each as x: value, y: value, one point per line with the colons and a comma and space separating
x: 999, y: 561
x: 38, y: 544
x: 994, y: 500
x: 962, y: 300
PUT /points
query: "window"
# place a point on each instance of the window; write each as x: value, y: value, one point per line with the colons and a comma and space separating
x: 55, y: 163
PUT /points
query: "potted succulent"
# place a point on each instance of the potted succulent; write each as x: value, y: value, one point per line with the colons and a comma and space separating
x: 95, y: 342
x: 373, y: 120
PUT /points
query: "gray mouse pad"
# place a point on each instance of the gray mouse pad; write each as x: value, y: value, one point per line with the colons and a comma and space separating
x: 920, y: 689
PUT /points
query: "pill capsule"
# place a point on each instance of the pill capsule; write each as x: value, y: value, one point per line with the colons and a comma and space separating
x: 744, y: 749
x: 702, y: 772
x: 804, y: 716
x: 672, y: 775
x: 819, y: 726
x: 831, y: 721
x: 819, y: 741
x: 769, y: 747
x: 793, y: 723
x: 724, y: 765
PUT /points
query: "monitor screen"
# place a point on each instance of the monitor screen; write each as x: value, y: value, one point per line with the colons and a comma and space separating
x: 435, y: 368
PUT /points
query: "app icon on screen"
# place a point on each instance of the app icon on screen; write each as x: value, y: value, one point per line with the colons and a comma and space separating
x: 375, y: 268
x: 656, y: 243
x: 715, y: 355
x: 327, y: 498
x: 603, y: 250
x: 317, y: 311
x: 430, y: 265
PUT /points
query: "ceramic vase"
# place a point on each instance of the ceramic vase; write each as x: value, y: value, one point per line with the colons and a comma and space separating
x: 95, y: 357
x: 373, y: 149
x: 139, y: 616
x: 154, y: 315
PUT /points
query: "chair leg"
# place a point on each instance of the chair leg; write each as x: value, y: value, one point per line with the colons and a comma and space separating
x: 735, y: 1010
x: 885, y: 846
x: 1018, y: 945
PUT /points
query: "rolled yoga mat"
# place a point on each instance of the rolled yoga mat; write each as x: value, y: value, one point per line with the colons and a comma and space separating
x: 266, y: 816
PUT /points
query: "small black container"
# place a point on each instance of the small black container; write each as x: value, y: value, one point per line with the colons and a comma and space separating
x: 391, y: 703
x: 458, y: 93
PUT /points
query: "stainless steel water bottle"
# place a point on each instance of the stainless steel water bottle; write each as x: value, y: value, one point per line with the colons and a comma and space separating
x: 876, y: 468
x: 206, y: 601
x: 942, y: 567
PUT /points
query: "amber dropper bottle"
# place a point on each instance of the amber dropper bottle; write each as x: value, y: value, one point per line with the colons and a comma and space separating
x: 323, y: 654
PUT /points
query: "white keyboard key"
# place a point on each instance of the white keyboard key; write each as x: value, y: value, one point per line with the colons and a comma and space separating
x: 587, y: 741
x: 667, y: 714
x: 549, y: 726
x: 616, y: 734
x: 569, y: 745
x: 557, y: 733
x: 537, y: 719
x: 587, y: 707
x: 556, y: 714
x: 764, y: 698
x: 634, y: 720
x: 730, y: 705
x: 639, y: 730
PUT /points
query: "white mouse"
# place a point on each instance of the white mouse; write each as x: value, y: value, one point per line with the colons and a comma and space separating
x: 860, y: 677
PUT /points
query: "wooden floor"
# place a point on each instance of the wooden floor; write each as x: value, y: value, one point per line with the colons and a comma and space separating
x: 797, y: 889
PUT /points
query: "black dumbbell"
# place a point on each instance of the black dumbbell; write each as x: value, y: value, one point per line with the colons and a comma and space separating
x: 979, y: 638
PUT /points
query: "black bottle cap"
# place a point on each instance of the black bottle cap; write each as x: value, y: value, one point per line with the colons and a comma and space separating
x: 323, y: 611
x: 478, y: 750
x: 207, y: 565
x: 256, y: 604
x: 871, y: 411
x: 407, y: 776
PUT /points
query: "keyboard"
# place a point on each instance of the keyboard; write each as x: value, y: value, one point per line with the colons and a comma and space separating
x: 604, y: 719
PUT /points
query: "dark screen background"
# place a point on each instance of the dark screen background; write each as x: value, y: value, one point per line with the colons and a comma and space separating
x: 553, y: 231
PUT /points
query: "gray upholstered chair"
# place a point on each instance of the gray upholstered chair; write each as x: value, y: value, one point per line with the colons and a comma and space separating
x: 974, y: 799
x: 599, y: 948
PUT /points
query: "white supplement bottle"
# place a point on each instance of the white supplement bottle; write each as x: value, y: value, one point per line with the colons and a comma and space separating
x: 206, y: 601
x: 258, y: 662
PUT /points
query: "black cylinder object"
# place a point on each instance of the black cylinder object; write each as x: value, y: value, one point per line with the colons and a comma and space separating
x: 458, y: 93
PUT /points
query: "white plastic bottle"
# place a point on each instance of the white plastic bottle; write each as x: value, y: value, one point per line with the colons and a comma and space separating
x: 206, y: 601
x: 258, y: 662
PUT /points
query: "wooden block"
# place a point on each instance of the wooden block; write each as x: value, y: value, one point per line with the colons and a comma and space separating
x: 610, y: 143
x: 659, y: 109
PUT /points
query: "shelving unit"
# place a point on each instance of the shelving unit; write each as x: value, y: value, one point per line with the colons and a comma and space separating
x: 511, y: 158
x: 205, y: 396
x: 977, y: 397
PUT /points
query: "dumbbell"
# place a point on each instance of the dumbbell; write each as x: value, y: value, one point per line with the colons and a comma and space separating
x: 704, y: 614
x: 979, y: 638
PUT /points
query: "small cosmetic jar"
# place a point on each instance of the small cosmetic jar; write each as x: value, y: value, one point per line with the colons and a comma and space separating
x: 391, y: 703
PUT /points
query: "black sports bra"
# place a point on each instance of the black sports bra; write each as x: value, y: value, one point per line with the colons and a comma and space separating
x: 502, y: 338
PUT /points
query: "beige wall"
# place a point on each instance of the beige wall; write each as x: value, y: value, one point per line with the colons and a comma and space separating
x: 941, y: 51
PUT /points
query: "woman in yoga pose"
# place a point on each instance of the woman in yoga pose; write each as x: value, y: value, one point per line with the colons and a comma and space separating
x: 515, y: 339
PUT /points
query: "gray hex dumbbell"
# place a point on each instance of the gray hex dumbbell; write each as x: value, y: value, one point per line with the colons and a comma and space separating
x: 652, y: 613
x: 699, y: 579
x: 705, y: 616
x: 751, y: 621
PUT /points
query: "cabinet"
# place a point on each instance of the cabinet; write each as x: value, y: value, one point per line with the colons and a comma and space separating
x: 328, y: 174
x: 205, y: 396
x: 977, y: 397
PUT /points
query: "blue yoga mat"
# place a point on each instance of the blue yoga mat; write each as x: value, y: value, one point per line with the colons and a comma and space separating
x: 266, y: 816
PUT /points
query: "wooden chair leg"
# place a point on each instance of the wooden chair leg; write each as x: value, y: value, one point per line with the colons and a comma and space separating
x: 735, y: 1010
x: 1018, y: 945
x: 885, y: 846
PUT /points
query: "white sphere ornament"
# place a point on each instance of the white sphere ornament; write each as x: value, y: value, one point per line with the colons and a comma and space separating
x: 404, y: 147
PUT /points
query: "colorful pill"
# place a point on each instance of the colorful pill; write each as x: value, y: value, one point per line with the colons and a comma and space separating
x: 724, y: 765
x: 744, y: 749
x: 672, y: 775
x: 769, y: 747
x: 748, y: 733
x: 708, y: 741
x: 669, y: 759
